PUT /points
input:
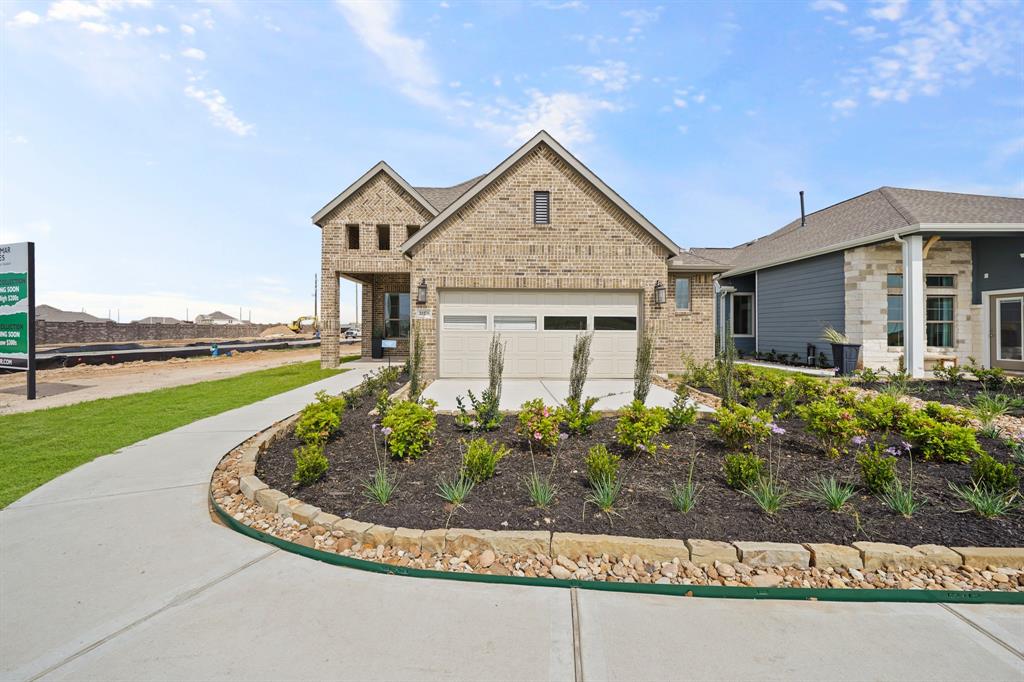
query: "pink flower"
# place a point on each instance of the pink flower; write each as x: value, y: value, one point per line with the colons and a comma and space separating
x: 537, y: 436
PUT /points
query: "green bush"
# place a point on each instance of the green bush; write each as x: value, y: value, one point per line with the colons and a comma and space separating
x: 310, y: 463
x: 601, y: 465
x: 946, y: 413
x: 579, y: 415
x: 741, y: 427
x: 881, y: 412
x: 485, y: 415
x: 538, y: 424
x: 639, y: 426
x: 939, y: 440
x: 876, y: 470
x: 682, y: 413
x: 834, y: 425
x: 987, y: 472
x: 319, y: 419
x: 808, y: 387
x: 742, y: 470
x: 480, y: 460
x: 409, y: 428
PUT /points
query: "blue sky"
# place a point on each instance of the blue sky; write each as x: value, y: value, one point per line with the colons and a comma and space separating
x: 169, y: 156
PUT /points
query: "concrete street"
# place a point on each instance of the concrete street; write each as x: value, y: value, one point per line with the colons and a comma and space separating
x: 115, y: 571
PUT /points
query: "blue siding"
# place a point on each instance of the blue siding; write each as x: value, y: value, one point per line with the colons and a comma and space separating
x: 745, y: 344
x: 797, y: 300
x: 1000, y: 259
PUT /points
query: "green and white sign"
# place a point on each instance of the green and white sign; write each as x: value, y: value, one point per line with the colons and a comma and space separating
x: 15, y: 317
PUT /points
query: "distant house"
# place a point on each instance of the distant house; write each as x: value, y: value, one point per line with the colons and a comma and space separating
x: 216, y: 317
x: 47, y: 313
x: 158, y: 320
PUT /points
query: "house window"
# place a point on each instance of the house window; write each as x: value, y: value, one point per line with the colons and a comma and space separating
x: 894, y: 327
x: 683, y: 293
x: 615, y: 324
x: 939, y: 321
x: 383, y: 237
x: 894, y: 281
x: 353, y: 236
x: 940, y: 281
x: 396, y: 316
x: 541, y: 208
x: 515, y: 323
x: 742, y: 314
x: 565, y: 323
x: 411, y: 230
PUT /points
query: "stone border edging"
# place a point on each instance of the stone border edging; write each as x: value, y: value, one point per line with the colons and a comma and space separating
x: 866, y: 556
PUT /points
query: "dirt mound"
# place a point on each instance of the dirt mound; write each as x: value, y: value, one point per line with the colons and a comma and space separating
x: 276, y: 331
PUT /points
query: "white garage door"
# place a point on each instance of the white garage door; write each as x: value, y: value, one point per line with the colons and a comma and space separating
x: 539, y: 328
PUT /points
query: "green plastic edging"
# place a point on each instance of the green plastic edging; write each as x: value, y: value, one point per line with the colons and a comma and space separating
x: 719, y: 591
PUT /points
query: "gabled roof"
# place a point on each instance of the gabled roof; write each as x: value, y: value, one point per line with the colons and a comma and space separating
x: 216, y: 315
x: 48, y: 313
x: 443, y: 197
x: 691, y: 260
x: 381, y: 167
x: 874, y: 216
x: 540, y: 138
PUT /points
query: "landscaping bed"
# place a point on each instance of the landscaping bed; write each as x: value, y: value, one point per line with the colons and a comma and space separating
x: 643, y: 508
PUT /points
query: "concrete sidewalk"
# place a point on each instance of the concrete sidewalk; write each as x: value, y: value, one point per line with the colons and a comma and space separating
x: 115, y: 571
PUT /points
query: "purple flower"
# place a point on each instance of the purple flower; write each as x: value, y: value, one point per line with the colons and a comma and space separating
x: 776, y: 429
x: 376, y: 426
x: 859, y: 440
x: 386, y: 431
x: 641, y: 447
x: 474, y: 424
x: 892, y: 451
x: 905, y: 445
x: 563, y: 436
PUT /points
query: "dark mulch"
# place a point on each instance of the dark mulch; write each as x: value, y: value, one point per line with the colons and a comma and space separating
x: 721, y: 513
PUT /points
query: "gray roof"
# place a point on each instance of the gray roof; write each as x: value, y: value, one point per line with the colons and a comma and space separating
x: 691, y: 259
x: 443, y: 197
x: 877, y: 213
x: 158, y: 320
x: 50, y: 314
x: 216, y: 315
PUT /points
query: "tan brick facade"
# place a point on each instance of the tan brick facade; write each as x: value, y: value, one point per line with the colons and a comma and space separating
x: 492, y: 243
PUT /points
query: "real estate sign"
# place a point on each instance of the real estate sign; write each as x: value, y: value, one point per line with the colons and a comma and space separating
x: 16, y: 306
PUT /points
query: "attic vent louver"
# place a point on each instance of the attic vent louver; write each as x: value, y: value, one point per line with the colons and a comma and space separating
x: 541, y: 208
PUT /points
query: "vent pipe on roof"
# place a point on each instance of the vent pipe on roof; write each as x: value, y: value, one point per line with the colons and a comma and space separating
x: 803, y: 216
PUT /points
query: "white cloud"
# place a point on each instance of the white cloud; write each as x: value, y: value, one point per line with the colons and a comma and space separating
x: 888, y: 10
x: 828, y: 6
x: 193, y: 53
x: 568, y: 4
x: 867, y: 33
x: 680, y: 102
x: 455, y: 84
x: 699, y: 99
x: 641, y: 18
x: 611, y: 75
x: 683, y: 129
x: 565, y: 115
x: 405, y: 58
x: 74, y: 10
x: 35, y: 231
x: 16, y: 139
x: 220, y: 111
x: 187, y: 30
x: 94, y: 27
x: 844, y: 106
x: 160, y: 28
x: 25, y: 18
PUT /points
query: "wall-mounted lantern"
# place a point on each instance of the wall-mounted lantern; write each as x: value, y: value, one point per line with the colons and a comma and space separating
x: 659, y: 293
x: 421, y: 292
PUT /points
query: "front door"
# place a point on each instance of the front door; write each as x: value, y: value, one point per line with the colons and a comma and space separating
x: 1006, y: 336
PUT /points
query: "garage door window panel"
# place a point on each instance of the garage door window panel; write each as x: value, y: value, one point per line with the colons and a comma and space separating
x: 466, y: 322
x: 515, y: 323
x: 396, y: 316
x: 565, y: 323
x: 615, y: 324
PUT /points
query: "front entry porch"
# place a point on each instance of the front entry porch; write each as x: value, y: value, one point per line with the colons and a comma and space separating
x: 384, y: 316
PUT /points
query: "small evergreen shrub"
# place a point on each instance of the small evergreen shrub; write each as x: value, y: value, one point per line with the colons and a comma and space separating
x: 644, y: 370
x: 580, y: 367
x: 410, y: 428
x: 881, y: 412
x: 741, y: 427
x: 683, y: 413
x: 601, y: 465
x: 639, y: 426
x: 938, y: 440
x: 484, y: 414
x: 947, y: 413
x: 987, y: 472
x: 877, y: 471
x: 538, y: 424
x: 319, y: 419
x: 416, y: 363
x: 742, y: 469
x: 310, y: 463
x: 579, y: 416
x: 480, y: 460
x: 834, y: 425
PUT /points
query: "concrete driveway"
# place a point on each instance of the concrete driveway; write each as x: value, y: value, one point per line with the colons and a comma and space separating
x: 115, y: 571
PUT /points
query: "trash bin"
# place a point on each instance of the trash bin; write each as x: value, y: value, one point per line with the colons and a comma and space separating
x: 844, y: 356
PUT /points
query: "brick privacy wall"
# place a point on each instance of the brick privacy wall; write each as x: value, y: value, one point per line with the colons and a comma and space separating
x: 50, y: 333
x: 381, y: 201
x: 492, y: 243
x: 866, y: 268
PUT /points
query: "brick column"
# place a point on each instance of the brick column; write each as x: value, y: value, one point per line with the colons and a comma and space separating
x: 330, y: 324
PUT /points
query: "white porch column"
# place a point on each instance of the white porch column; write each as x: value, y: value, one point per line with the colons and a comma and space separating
x: 913, y: 305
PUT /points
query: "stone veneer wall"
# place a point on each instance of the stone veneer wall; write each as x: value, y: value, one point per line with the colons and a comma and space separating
x: 866, y: 268
x: 49, y: 333
x: 492, y: 243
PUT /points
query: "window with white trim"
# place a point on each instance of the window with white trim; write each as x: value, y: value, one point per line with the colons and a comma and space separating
x: 938, y: 321
x: 742, y: 314
x: 515, y: 323
x: 466, y: 322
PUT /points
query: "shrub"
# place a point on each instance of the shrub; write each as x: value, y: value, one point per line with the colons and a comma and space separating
x: 480, y: 460
x: 993, y: 377
x: 538, y: 424
x: 601, y: 465
x: 953, y: 374
x: 725, y: 371
x: 1016, y: 450
x: 683, y: 413
x: 742, y: 469
x: 989, y: 473
x: 485, y: 415
x: 741, y: 427
x: 937, y: 440
x: 808, y: 388
x: 698, y: 375
x: 319, y: 419
x: 832, y: 424
x: 310, y: 463
x: 987, y: 407
x: 644, y: 370
x: 411, y: 427
x: 416, y: 363
x: 876, y: 470
x: 580, y: 366
x: 946, y: 413
x: 867, y: 376
x: 881, y: 412
x: 578, y: 416
x: 639, y: 426
x: 384, y: 403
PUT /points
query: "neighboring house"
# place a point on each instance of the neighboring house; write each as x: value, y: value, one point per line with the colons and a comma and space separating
x: 929, y: 276
x: 158, y: 320
x: 47, y: 313
x: 216, y: 317
x: 538, y: 250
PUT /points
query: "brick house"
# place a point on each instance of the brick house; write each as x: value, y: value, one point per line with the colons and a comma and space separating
x: 537, y: 250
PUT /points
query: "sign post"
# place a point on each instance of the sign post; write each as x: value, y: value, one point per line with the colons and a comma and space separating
x: 18, y: 311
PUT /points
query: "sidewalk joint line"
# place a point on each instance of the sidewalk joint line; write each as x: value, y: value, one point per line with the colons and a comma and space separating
x: 545, y: 386
x: 1006, y: 645
x: 105, y: 496
x: 577, y: 648
x: 176, y: 601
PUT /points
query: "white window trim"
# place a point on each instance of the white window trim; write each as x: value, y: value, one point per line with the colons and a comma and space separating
x: 998, y: 321
x: 732, y: 315
x: 951, y: 323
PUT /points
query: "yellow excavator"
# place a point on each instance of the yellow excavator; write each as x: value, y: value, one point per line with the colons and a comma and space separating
x: 308, y: 321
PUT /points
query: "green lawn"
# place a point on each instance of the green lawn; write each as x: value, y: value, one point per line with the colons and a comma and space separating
x: 36, y: 447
